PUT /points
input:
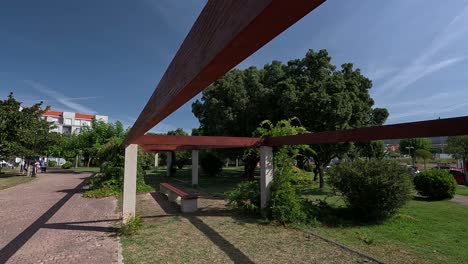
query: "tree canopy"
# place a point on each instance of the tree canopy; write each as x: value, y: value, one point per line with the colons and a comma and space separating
x: 312, y: 89
x: 409, y: 146
x: 458, y: 147
x: 23, y: 131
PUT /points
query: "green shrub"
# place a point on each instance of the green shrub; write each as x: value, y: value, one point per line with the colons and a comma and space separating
x: 67, y: 165
x: 435, y: 184
x: 285, y: 204
x: 300, y: 177
x: 308, y: 167
x: 211, y: 164
x: 372, y: 189
x: 245, y: 197
x: 109, y: 182
x: 52, y: 163
x: 132, y: 226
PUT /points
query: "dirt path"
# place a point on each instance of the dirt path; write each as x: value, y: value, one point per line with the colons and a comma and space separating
x: 47, y: 221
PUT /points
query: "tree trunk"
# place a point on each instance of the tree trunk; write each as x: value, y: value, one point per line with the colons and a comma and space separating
x: 315, y: 173
x: 322, y: 182
x: 249, y: 168
x: 89, y: 161
x: 172, y: 168
x: 76, y: 161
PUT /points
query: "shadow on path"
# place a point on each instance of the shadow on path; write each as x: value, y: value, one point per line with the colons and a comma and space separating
x: 14, y: 245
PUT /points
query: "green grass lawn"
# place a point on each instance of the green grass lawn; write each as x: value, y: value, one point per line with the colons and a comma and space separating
x: 225, y: 239
x: 86, y: 169
x: 462, y: 190
x: 7, y: 182
x: 422, y: 232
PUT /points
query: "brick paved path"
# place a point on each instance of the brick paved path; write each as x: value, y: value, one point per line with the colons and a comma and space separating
x: 47, y: 221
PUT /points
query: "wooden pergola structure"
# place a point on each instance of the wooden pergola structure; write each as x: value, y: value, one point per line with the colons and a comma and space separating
x: 225, y: 33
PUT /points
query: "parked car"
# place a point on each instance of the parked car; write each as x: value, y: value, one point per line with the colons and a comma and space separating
x: 458, y: 175
x: 412, y: 169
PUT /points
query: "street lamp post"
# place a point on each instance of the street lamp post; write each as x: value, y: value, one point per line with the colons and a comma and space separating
x: 409, y: 151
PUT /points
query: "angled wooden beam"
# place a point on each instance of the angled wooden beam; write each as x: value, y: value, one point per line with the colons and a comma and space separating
x: 432, y: 128
x: 200, y: 141
x: 225, y: 33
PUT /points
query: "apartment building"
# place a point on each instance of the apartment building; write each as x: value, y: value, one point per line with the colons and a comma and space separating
x: 69, y: 122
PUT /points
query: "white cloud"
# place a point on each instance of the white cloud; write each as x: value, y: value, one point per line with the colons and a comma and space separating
x: 60, y: 98
x: 434, y: 111
x: 424, y: 65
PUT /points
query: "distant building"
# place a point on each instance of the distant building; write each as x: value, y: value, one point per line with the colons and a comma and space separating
x: 393, y: 147
x: 68, y: 122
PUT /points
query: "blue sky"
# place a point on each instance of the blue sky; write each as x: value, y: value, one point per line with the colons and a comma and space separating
x: 107, y: 57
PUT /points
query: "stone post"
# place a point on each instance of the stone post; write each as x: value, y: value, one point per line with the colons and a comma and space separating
x: 130, y: 175
x: 156, y: 160
x: 266, y: 174
x: 194, y: 167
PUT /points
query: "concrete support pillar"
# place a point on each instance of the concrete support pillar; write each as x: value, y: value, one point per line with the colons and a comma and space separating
x: 156, y: 160
x: 168, y: 163
x: 130, y: 175
x: 266, y: 174
x: 194, y: 167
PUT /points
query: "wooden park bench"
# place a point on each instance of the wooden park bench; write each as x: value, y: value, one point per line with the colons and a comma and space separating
x: 188, y: 202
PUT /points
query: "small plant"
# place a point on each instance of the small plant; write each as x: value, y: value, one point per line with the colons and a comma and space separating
x: 373, y: 189
x: 67, y: 165
x: 211, y: 164
x: 435, y: 184
x: 132, y: 226
x: 245, y: 197
x: 52, y: 163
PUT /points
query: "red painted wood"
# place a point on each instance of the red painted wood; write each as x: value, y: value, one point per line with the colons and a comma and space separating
x: 432, y: 128
x: 198, y: 141
x: 225, y: 33
x: 179, y: 192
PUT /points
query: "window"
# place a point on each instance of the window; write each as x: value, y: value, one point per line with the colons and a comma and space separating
x: 86, y: 123
x: 77, y: 130
x: 68, y: 121
x: 52, y: 119
x: 77, y: 122
x: 66, y: 130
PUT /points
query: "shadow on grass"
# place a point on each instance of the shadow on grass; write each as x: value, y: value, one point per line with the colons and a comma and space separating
x: 170, y: 209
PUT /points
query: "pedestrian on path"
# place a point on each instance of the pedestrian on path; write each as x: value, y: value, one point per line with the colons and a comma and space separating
x: 43, y: 166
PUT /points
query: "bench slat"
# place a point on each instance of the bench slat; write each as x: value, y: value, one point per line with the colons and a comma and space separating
x: 181, y: 193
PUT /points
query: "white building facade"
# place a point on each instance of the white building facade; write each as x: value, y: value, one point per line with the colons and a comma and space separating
x: 68, y: 123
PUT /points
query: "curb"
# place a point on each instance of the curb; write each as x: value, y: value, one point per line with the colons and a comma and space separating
x: 345, y: 247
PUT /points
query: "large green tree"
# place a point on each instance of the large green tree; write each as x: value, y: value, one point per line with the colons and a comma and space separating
x: 411, y: 145
x: 312, y: 89
x: 179, y: 158
x: 458, y: 147
x: 23, y: 131
x: 90, y: 141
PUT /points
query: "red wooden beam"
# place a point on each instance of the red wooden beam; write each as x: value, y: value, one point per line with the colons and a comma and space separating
x: 225, y: 33
x: 433, y: 128
x: 198, y: 141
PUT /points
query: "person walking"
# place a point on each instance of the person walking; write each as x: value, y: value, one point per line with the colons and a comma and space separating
x: 43, y: 166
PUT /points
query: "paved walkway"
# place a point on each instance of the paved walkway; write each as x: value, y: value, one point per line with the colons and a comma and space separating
x: 47, y: 221
x: 461, y: 199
